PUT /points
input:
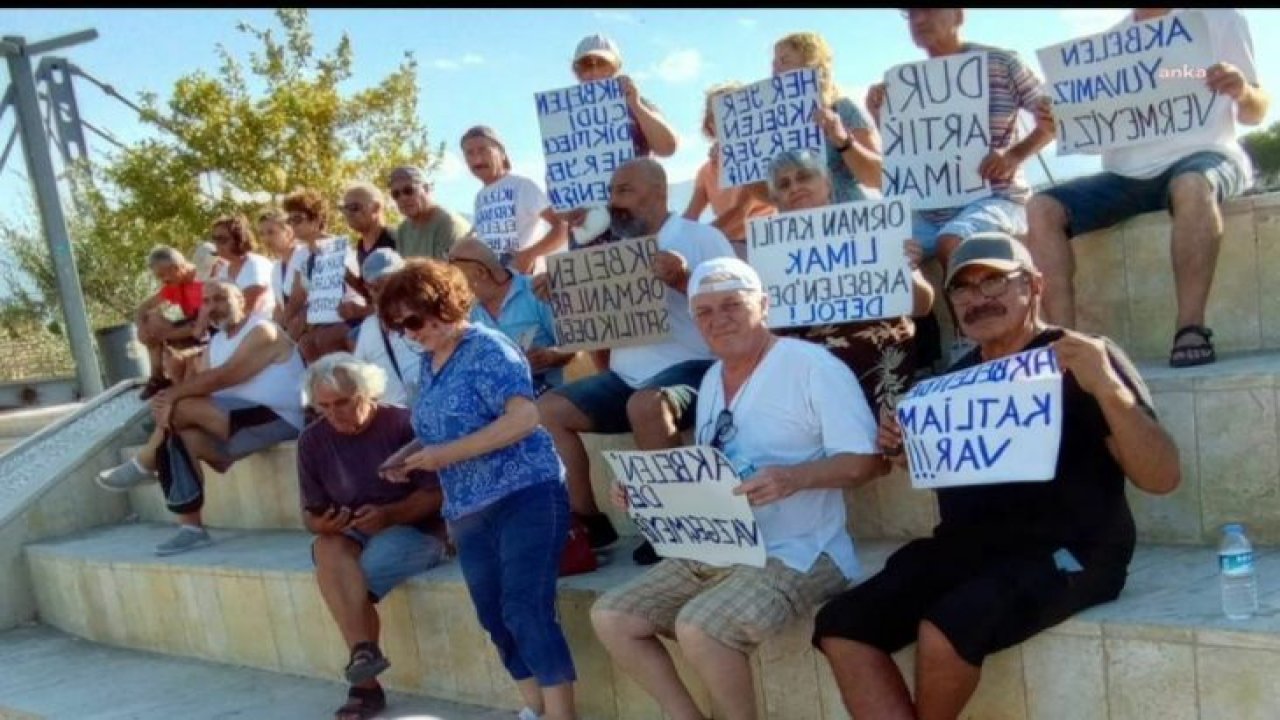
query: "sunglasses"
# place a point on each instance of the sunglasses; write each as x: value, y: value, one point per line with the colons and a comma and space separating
x: 410, y: 322
x: 724, y: 430
x: 592, y: 61
x: 405, y: 191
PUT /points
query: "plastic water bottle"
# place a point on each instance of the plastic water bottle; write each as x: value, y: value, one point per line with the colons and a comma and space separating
x: 1236, y: 571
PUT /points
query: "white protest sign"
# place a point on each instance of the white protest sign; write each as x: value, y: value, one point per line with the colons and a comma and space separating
x: 586, y: 135
x: 607, y: 296
x: 327, y: 283
x: 997, y: 422
x: 495, y: 220
x: 682, y: 501
x: 935, y: 130
x: 755, y: 123
x: 835, y: 264
x: 1140, y: 83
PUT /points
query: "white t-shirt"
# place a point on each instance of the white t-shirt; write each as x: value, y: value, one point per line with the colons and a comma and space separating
x: 282, y: 282
x: 256, y: 270
x: 697, y: 243
x: 800, y: 404
x: 371, y: 349
x: 1232, y: 43
x: 508, y: 214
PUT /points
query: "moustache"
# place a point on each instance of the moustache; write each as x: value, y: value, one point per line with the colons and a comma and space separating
x: 984, y: 311
x: 624, y: 224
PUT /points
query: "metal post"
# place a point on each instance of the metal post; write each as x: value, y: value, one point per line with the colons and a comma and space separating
x: 36, y: 147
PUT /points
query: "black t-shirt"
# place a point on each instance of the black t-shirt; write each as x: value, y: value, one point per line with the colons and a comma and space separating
x: 1083, y: 508
x: 385, y: 240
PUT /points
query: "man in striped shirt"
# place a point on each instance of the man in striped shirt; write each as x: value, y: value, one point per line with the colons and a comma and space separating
x: 1012, y: 86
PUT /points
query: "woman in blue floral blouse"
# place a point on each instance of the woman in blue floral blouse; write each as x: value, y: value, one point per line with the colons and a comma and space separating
x: 505, y: 500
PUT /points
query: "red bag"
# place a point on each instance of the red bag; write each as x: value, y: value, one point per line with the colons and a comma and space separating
x: 578, y: 557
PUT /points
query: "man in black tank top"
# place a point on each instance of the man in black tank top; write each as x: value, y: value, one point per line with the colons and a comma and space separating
x: 1011, y: 559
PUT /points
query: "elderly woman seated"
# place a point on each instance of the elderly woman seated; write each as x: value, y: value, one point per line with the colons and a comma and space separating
x: 371, y: 534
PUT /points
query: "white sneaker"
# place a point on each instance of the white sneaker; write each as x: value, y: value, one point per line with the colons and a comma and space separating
x: 187, y: 538
x: 124, y: 476
x: 527, y: 713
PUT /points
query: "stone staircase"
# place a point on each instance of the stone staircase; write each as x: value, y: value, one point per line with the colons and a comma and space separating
x: 1163, y: 650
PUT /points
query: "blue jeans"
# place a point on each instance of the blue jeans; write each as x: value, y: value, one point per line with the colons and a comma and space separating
x: 510, y: 556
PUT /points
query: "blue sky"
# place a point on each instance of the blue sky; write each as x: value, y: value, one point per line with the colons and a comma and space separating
x: 484, y: 66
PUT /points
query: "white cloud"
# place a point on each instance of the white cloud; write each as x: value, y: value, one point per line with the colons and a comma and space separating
x: 616, y: 16
x: 457, y: 63
x: 680, y: 66
x: 1091, y: 20
x: 748, y: 23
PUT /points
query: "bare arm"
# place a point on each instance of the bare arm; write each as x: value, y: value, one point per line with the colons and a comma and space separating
x: 661, y: 137
x: 254, y: 354
x: 518, y: 420
x: 556, y: 238
x: 697, y: 203
x: 842, y: 470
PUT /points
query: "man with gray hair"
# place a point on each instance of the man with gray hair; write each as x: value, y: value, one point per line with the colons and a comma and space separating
x: 794, y: 422
x: 371, y: 534
x: 363, y: 210
x: 389, y: 351
x: 168, y: 319
x: 428, y: 230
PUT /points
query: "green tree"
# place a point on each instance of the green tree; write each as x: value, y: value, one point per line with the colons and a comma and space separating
x: 231, y: 140
x: 1263, y: 147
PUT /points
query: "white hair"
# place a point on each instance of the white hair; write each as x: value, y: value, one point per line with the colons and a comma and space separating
x: 346, y: 373
x: 368, y: 189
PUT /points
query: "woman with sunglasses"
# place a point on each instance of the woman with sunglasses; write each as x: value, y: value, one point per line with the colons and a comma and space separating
x: 793, y: 421
x: 598, y: 58
x: 879, y: 352
x: 505, y: 500
x: 244, y: 268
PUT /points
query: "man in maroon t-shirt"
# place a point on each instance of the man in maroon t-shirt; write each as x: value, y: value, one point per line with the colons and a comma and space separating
x: 171, y: 316
x: 371, y: 534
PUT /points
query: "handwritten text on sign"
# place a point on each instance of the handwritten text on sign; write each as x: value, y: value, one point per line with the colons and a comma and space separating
x: 608, y: 296
x: 495, y: 220
x: 836, y: 264
x: 586, y: 135
x: 327, y: 283
x: 682, y: 500
x: 997, y: 422
x: 935, y: 130
x: 1136, y: 84
x: 755, y: 123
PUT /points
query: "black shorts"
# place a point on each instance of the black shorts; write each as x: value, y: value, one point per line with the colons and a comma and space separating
x: 982, y: 602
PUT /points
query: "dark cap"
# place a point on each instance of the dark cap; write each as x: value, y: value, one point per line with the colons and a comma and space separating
x: 990, y: 249
x: 408, y: 172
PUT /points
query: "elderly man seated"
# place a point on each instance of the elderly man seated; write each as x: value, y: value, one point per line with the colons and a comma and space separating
x: 795, y: 422
x: 1011, y: 559
x: 389, y: 351
x: 371, y: 534
x: 505, y: 301
x: 243, y: 400
x: 168, y: 319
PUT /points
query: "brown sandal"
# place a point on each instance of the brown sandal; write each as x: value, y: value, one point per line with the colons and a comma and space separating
x: 362, y: 704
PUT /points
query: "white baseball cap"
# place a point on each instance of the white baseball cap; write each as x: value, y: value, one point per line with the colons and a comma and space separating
x: 722, y: 274
x: 601, y: 46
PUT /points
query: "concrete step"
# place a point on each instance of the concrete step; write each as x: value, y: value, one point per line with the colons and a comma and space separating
x: 21, y: 423
x: 50, y: 675
x: 1223, y: 417
x: 1162, y: 650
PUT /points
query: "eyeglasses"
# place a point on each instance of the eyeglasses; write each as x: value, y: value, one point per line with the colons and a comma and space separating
x: 990, y: 287
x: 592, y: 61
x: 352, y: 207
x: 404, y: 191
x: 297, y: 218
x: 410, y: 322
x: 724, y: 430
